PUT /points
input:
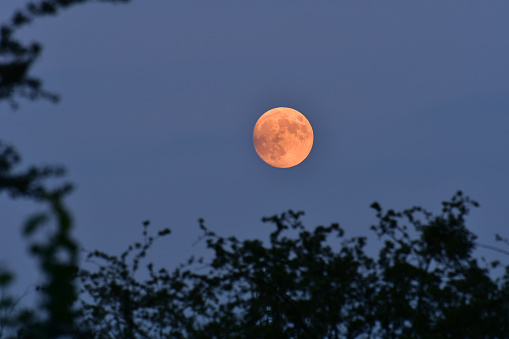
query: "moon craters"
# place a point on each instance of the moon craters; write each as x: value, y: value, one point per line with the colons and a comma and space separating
x: 283, y: 137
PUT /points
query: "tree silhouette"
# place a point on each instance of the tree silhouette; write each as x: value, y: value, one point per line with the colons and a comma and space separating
x: 425, y: 283
x: 58, y: 255
x: 17, y: 58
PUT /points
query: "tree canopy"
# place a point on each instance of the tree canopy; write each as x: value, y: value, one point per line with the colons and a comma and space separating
x: 425, y: 283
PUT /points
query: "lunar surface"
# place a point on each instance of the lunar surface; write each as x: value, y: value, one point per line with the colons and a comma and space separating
x: 283, y: 137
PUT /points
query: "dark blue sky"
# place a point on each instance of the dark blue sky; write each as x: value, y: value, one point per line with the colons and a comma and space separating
x: 409, y: 102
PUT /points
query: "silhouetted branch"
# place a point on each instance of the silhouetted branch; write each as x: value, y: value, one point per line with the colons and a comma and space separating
x: 17, y: 58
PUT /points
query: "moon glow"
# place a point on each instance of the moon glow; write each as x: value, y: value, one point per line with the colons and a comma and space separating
x: 283, y: 137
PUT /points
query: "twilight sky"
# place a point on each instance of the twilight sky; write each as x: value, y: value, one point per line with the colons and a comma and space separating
x: 409, y: 102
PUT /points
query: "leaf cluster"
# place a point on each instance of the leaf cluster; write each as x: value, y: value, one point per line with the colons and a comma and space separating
x: 57, y: 256
x: 115, y: 304
x: 17, y: 58
x: 29, y: 183
x: 425, y: 283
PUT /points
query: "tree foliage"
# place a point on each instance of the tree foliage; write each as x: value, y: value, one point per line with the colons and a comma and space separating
x: 28, y: 183
x: 17, y: 58
x: 425, y: 283
x: 58, y: 255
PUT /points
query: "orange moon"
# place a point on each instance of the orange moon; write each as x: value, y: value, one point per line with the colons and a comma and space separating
x: 283, y: 137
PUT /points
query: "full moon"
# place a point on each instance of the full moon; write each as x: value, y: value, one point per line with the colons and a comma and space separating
x: 283, y: 137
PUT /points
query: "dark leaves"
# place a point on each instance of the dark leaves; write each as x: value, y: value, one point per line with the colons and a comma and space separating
x: 18, y: 57
x: 28, y: 183
x: 303, y: 283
